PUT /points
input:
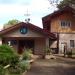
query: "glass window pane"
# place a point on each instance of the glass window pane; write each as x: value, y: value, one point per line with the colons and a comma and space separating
x: 71, y: 43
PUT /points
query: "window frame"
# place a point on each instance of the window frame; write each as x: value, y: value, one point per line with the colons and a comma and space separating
x: 72, y: 43
x: 65, y: 24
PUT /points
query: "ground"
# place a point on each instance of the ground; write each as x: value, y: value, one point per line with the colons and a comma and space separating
x: 58, y: 66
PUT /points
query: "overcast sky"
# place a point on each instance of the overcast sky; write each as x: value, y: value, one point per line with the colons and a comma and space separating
x: 15, y: 9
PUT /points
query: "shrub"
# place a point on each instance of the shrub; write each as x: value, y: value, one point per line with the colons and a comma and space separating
x: 2, y: 71
x: 27, y: 54
x: 7, y: 55
x: 24, y: 65
x: 47, y: 50
x: 21, y: 67
x: 14, y: 70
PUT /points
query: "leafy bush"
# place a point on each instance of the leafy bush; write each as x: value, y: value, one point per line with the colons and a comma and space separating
x: 2, y: 71
x: 27, y: 54
x: 24, y: 65
x: 47, y: 50
x: 14, y: 70
x: 21, y: 67
x: 7, y: 55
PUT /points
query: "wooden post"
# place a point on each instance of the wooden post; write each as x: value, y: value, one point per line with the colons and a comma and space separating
x: 57, y: 42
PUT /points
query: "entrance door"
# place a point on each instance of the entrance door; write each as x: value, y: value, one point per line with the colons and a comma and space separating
x: 62, y: 47
x: 23, y: 44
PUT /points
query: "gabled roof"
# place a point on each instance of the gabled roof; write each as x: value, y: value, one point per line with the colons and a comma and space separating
x: 58, y: 12
x: 28, y: 25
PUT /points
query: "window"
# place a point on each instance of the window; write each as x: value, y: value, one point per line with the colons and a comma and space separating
x: 13, y: 42
x: 23, y: 30
x: 65, y: 24
x: 72, y: 43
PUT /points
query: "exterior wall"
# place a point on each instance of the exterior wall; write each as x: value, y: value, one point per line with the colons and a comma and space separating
x: 53, y: 44
x: 40, y: 44
x: 56, y: 28
x: 65, y: 39
x: 40, y: 40
x: 17, y: 33
x: 55, y: 23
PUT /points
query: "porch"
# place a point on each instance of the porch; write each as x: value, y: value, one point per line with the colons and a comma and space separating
x: 37, y: 45
x: 26, y: 35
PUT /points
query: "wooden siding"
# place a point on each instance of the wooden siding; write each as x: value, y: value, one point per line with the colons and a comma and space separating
x: 40, y: 44
x: 56, y: 26
x: 17, y: 33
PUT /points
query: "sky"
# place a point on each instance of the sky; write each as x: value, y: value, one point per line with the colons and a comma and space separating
x: 17, y: 9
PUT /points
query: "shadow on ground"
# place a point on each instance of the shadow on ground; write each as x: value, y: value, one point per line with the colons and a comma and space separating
x: 52, y: 67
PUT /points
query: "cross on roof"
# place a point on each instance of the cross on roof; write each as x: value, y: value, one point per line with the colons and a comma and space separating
x: 27, y: 19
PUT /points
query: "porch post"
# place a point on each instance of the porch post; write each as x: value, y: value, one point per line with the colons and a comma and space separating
x: 47, y: 42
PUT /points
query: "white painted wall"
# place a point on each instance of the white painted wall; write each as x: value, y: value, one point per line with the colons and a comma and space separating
x: 65, y: 38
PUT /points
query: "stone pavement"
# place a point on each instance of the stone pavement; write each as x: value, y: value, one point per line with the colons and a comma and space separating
x: 58, y: 66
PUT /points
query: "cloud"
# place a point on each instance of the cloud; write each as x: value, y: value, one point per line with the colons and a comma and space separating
x: 24, y: 2
x: 15, y: 9
x: 7, y: 1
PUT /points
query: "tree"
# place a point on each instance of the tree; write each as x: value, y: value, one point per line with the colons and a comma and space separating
x: 10, y: 23
x: 54, y: 2
x: 64, y: 3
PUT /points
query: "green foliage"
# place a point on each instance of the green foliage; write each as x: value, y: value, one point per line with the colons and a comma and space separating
x: 14, y: 70
x: 10, y: 23
x: 47, y: 50
x: 66, y: 3
x: 24, y: 65
x: 7, y: 55
x: 27, y: 54
x: 2, y: 71
x: 21, y: 67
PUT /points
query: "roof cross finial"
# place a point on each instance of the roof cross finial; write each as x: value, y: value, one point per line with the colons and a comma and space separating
x: 27, y: 15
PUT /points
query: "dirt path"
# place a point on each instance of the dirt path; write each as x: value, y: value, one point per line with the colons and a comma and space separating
x: 52, y: 67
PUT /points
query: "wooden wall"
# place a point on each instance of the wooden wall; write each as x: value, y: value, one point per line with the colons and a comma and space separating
x: 56, y: 23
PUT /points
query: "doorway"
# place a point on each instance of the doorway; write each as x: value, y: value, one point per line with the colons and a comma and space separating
x: 63, y: 45
x: 26, y: 44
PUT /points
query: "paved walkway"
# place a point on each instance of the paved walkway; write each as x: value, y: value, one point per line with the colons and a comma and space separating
x: 59, y: 66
